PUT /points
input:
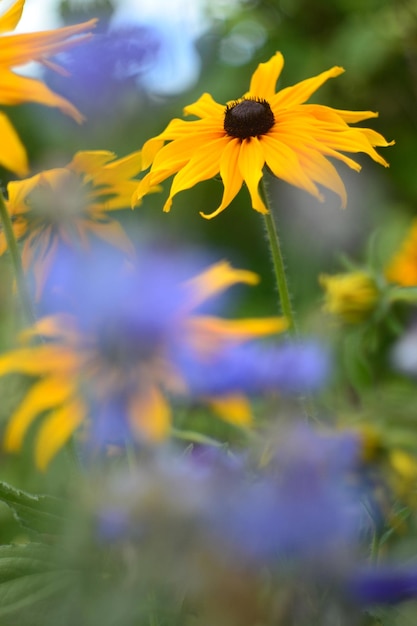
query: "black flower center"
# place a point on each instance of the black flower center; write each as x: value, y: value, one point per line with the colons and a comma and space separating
x: 248, y: 118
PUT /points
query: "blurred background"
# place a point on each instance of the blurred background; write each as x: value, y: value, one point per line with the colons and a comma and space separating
x: 150, y: 58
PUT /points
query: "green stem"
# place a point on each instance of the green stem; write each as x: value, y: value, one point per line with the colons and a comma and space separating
x: 278, y: 263
x: 19, y: 275
x: 306, y: 401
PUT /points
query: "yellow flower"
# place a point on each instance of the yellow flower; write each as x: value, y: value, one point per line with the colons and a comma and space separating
x: 18, y: 50
x: 402, y: 269
x: 134, y: 338
x: 294, y: 139
x: 351, y: 296
x: 70, y: 205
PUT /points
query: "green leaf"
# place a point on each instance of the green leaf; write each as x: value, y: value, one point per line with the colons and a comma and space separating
x: 31, y: 584
x: 38, y: 513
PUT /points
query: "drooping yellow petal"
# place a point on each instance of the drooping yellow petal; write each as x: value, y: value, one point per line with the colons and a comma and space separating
x: 264, y: 78
x: 284, y: 163
x: 44, y: 395
x: 322, y: 112
x: 10, y: 19
x: 176, y: 154
x: 38, y: 255
x: 233, y: 409
x: 202, y: 166
x: 112, y: 232
x: 16, y: 89
x: 216, y: 279
x: 354, y: 140
x: 323, y: 172
x: 251, y: 163
x: 56, y: 430
x: 13, y: 154
x: 230, y: 175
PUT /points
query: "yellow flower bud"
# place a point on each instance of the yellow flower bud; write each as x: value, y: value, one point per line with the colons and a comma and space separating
x: 351, y: 296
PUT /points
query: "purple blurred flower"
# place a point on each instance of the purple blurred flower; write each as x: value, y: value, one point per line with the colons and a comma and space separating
x: 302, y: 506
x: 383, y: 585
x: 134, y: 338
x: 101, y: 69
x: 287, y: 367
x: 136, y: 314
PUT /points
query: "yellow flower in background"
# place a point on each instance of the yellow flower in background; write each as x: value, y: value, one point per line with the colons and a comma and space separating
x: 402, y: 269
x: 70, y: 205
x: 16, y: 51
x: 351, y: 296
x: 136, y: 337
x: 294, y: 139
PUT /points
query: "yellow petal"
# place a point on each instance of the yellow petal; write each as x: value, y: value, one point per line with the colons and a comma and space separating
x: 43, y: 396
x: 38, y: 360
x: 10, y: 19
x: 60, y: 326
x: 121, y: 169
x: 230, y: 174
x: 56, y: 430
x: 233, y: 409
x: 177, y: 153
x: 18, y: 190
x: 143, y: 188
x: 322, y: 112
x: 205, y: 164
x: 251, y: 162
x: 38, y: 255
x: 150, y: 414
x: 13, y: 154
x: 355, y: 140
x: 16, y: 89
x: 299, y: 93
x: 323, y: 172
x: 264, y: 79
x: 90, y: 161
x: 216, y: 279
x: 16, y: 50
x: 240, y: 330
x: 284, y: 163
x: 205, y: 106
x: 113, y: 233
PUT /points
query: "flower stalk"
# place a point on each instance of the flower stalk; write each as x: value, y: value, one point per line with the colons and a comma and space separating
x: 278, y: 263
x: 25, y: 300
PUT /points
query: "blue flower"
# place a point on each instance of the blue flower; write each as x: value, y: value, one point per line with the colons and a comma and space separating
x: 304, y: 506
x: 383, y: 585
x: 102, y: 69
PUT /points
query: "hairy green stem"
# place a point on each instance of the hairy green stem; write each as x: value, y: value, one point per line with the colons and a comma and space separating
x: 25, y: 301
x: 278, y: 263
